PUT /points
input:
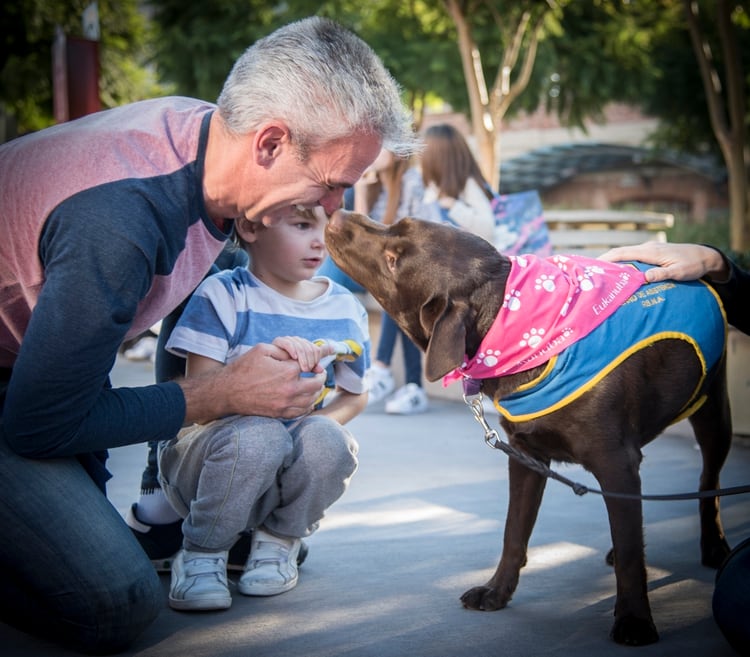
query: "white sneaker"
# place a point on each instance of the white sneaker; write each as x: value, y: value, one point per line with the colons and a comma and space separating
x: 272, y: 565
x: 199, y: 581
x: 379, y: 381
x: 409, y: 400
x: 144, y: 349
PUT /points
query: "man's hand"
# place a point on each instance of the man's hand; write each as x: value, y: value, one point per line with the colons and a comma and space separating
x: 265, y: 381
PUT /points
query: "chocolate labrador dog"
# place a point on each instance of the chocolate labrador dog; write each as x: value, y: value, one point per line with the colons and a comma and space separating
x: 450, y: 291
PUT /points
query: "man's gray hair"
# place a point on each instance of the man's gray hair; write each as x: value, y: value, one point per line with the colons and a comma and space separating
x: 324, y: 82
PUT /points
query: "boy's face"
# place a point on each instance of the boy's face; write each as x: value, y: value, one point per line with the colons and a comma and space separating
x: 290, y: 250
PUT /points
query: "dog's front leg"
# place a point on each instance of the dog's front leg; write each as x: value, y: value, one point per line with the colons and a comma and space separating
x: 526, y: 490
x: 633, y: 623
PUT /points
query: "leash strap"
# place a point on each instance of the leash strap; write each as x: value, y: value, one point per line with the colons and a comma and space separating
x: 492, y: 438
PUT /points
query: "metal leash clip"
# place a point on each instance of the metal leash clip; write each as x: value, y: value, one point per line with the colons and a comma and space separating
x: 491, y: 436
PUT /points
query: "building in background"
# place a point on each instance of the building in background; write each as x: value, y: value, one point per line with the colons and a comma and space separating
x: 608, y: 166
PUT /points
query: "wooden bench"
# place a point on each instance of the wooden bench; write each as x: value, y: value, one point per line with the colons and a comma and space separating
x: 591, y: 232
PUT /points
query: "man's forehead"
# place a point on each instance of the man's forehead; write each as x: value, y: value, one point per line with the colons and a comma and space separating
x: 348, y: 157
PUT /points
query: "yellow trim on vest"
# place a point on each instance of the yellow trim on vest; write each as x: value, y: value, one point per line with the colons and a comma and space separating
x: 542, y: 375
x: 664, y: 335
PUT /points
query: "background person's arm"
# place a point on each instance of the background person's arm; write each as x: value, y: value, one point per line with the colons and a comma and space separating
x: 684, y: 262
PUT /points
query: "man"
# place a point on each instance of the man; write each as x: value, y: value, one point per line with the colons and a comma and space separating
x: 108, y: 223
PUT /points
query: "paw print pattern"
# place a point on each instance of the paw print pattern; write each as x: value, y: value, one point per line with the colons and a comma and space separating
x: 546, y: 283
x: 512, y: 300
x: 565, y: 307
x: 585, y: 281
x: 488, y: 358
x: 548, y: 303
x: 585, y: 284
x: 532, y: 337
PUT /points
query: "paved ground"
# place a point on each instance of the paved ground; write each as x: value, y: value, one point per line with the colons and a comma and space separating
x: 421, y: 522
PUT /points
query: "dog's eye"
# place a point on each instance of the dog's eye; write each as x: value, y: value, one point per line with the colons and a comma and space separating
x: 390, y: 261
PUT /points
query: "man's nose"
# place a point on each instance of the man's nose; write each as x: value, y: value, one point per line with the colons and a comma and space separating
x: 332, y: 200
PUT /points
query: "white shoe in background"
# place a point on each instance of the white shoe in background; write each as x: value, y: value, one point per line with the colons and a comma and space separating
x: 409, y: 400
x: 144, y: 349
x: 379, y: 382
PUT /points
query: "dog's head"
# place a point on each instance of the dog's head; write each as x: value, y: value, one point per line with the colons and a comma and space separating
x: 443, y: 286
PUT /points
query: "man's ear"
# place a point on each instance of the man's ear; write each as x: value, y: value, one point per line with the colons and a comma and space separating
x: 444, y: 321
x: 268, y: 142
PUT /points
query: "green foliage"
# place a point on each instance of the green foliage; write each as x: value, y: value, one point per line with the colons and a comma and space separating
x: 26, y: 55
x: 417, y: 43
x: 714, y: 231
x: 676, y: 93
x: 493, y: 26
x: 126, y: 55
x: 199, y: 42
x: 600, y: 55
x: 590, y: 53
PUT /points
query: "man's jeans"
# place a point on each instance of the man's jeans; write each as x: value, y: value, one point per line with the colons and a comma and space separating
x: 71, y: 569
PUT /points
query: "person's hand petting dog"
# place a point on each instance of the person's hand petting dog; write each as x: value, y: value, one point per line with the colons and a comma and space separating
x: 679, y: 262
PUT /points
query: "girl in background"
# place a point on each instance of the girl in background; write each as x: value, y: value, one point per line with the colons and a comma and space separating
x: 456, y: 192
x: 389, y: 190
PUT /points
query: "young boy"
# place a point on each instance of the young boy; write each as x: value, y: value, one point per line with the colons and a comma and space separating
x: 274, y: 477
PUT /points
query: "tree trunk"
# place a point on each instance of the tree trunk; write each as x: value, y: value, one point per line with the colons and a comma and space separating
x: 726, y: 109
x: 739, y: 201
x: 489, y: 109
x: 482, y: 124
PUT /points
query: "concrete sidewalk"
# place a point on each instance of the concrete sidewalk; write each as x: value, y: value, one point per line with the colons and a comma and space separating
x: 422, y: 522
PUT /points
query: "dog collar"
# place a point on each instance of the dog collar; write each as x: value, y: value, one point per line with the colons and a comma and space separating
x: 549, y: 304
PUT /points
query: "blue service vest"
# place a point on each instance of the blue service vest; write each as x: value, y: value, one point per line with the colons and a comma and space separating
x: 689, y: 311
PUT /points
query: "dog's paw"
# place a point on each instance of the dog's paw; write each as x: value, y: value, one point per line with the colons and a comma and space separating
x: 713, y: 553
x: 484, y: 598
x: 632, y: 631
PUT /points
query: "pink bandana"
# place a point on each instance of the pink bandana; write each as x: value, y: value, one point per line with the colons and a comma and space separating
x: 549, y: 304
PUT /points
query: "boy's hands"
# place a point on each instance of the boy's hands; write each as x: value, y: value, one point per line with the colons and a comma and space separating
x: 307, y: 354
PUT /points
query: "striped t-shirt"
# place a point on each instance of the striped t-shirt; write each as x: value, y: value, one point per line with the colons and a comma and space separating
x: 233, y: 310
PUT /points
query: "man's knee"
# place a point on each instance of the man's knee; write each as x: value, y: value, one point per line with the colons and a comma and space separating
x: 119, y: 614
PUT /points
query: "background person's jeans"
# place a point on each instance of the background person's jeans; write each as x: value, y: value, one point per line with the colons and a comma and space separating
x: 389, y: 331
x: 71, y: 569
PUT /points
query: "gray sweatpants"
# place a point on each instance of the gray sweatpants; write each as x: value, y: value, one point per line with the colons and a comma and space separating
x: 239, y: 473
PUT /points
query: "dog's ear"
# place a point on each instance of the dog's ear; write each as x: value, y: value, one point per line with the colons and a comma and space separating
x: 445, y: 322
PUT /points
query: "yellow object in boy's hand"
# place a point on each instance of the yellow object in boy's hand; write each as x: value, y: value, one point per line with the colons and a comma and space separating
x: 347, y: 350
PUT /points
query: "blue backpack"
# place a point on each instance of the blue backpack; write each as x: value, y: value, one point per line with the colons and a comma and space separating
x: 519, y: 224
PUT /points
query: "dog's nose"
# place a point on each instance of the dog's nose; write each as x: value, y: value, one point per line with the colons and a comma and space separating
x: 337, y: 219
